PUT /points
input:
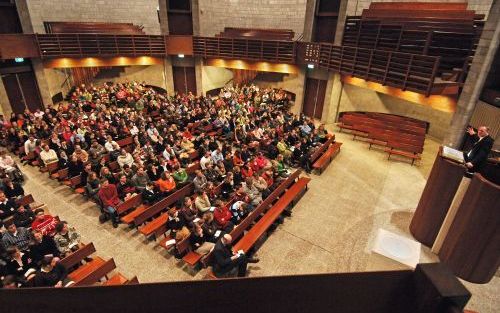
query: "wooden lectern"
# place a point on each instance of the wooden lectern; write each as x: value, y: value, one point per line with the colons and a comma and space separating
x: 438, y: 194
x: 471, y: 247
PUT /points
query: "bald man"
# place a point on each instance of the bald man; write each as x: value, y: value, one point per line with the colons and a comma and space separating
x: 477, y: 156
x: 227, y: 263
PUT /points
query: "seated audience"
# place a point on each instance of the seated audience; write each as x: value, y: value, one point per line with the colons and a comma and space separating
x: 45, y: 223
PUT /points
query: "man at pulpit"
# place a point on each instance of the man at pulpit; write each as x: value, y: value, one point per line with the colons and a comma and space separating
x: 476, y: 157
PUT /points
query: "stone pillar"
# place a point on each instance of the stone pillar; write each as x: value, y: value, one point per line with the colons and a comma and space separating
x: 485, y: 52
x: 43, y: 84
x: 162, y: 5
x: 339, y: 32
x: 308, y: 21
x: 24, y: 16
x: 332, y: 98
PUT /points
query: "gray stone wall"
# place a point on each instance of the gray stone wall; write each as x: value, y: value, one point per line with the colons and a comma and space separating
x: 273, y: 14
x: 138, y: 12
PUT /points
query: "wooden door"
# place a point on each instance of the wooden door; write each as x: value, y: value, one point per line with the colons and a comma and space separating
x: 314, y: 98
x: 184, y: 79
x: 13, y: 92
x: 22, y: 91
x: 27, y: 82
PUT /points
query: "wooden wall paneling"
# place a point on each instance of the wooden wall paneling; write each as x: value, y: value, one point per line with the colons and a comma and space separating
x: 310, y: 96
x: 18, y: 45
x: 320, y: 99
x: 436, y: 199
x: 471, y: 247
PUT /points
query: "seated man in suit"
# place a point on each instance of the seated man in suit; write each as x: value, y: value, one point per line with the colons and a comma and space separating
x: 227, y: 263
x: 477, y: 156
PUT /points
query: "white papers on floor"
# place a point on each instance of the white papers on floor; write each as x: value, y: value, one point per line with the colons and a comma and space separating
x: 397, y: 247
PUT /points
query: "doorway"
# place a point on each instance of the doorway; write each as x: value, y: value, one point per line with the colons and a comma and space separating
x: 314, y: 98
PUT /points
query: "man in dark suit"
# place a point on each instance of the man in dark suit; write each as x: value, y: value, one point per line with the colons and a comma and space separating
x: 477, y: 156
x: 228, y: 263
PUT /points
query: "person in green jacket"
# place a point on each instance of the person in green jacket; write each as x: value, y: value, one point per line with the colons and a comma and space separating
x: 180, y: 176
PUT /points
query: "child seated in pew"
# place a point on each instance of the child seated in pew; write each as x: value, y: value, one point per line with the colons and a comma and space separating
x: 45, y: 223
x: 177, y: 225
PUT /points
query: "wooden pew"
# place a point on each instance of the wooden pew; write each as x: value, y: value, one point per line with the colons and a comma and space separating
x: 327, y: 157
x: 163, y: 204
x: 51, y: 168
x: 131, y: 203
x: 316, y: 154
x: 76, y: 257
x: 116, y: 280
x: 75, y: 182
x: 90, y: 275
x: 60, y: 175
x: 29, y: 200
x: 406, y: 150
x: 287, y: 199
x: 246, y: 223
x: 125, y: 142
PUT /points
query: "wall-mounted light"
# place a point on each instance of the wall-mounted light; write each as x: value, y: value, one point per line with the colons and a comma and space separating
x: 180, y: 55
x: 311, y: 66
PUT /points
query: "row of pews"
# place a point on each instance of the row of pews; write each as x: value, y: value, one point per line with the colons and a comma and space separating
x: 151, y: 220
x: 398, y: 135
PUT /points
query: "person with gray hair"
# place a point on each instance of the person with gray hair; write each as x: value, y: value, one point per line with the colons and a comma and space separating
x: 227, y: 262
x: 476, y: 157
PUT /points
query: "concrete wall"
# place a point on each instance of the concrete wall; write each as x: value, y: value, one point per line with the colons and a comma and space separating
x: 359, y: 99
x: 355, y: 7
x: 276, y: 14
x: 138, y: 12
x: 293, y: 83
x: 151, y: 74
x: 214, y: 77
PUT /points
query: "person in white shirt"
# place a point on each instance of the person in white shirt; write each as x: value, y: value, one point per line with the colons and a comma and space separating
x: 110, y: 144
x: 206, y: 159
x: 30, y: 145
x: 125, y: 158
x: 48, y: 155
x: 217, y: 156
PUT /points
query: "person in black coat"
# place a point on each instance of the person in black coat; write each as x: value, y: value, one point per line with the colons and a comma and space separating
x: 43, y: 246
x: 478, y: 155
x: 52, y: 274
x: 12, y: 190
x: 18, y: 262
x: 24, y: 217
x: 228, y: 263
x: 149, y: 194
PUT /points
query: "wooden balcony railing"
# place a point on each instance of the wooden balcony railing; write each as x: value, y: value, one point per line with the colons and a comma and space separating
x: 415, y: 72
x: 86, y: 45
x: 249, y: 49
x: 397, y: 69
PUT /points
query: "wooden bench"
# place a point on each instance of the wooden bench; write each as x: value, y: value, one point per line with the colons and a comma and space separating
x: 316, y: 154
x: 155, y: 227
x: 60, y: 175
x: 50, y: 168
x: 327, y: 157
x: 247, y: 222
x: 29, y: 200
x: 129, y: 204
x: 76, y: 181
x: 92, y: 272
x: 114, y: 167
x: 287, y: 199
x: 129, y: 218
x: 125, y: 142
x: 409, y: 151
x: 161, y: 205
x: 76, y: 257
x: 116, y: 280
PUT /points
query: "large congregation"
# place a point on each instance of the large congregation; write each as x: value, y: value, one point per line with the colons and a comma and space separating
x: 241, y: 143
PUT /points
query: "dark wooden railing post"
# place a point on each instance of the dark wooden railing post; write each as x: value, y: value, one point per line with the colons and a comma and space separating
x: 433, y: 76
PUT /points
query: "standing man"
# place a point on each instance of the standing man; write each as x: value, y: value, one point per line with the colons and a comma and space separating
x: 477, y: 156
